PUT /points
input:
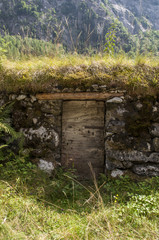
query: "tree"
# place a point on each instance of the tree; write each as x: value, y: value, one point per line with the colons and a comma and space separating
x: 110, y: 38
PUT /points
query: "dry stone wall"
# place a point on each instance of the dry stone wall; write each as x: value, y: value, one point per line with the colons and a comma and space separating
x: 40, y: 123
x: 132, y: 136
x: 131, y: 132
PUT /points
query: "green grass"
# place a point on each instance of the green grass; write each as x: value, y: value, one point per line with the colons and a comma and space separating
x: 34, y: 206
x: 18, y: 47
x: 139, y: 75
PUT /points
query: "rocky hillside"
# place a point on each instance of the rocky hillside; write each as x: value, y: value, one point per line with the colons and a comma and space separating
x: 137, y: 14
x: 79, y: 24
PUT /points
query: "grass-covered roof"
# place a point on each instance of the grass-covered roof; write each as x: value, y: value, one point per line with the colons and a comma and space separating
x: 139, y: 75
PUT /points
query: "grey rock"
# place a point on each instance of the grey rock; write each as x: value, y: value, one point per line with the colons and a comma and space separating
x: 77, y: 90
x: 132, y: 156
x: 21, y: 97
x: 12, y: 97
x: 113, y: 164
x: 46, y: 166
x: 139, y: 106
x: 154, y: 109
x: 116, y: 126
x: 115, y: 100
x: 117, y: 173
x: 35, y: 120
x: 33, y: 99
x: 95, y: 87
x: 155, y: 129
x: 127, y: 10
x: 156, y: 144
x: 66, y: 90
x: 154, y: 157
x: 42, y: 134
x: 103, y: 87
x: 108, y: 134
x: 115, y: 113
x: 149, y: 170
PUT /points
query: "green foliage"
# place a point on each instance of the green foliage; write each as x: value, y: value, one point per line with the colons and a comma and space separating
x: 5, y: 121
x: 3, y: 49
x: 148, y: 43
x: 110, y: 39
x: 7, y: 136
x: 144, y: 204
x: 16, y: 165
x: 36, y: 19
x: 22, y: 8
x: 16, y: 47
x: 119, y: 40
x: 34, y: 206
x: 125, y: 187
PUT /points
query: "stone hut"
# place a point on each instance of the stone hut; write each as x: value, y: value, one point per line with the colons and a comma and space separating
x: 110, y: 130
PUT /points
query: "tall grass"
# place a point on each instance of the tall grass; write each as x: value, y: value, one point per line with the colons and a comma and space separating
x: 21, y: 48
x: 18, y: 47
x: 33, y: 206
x: 36, y: 206
x: 33, y: 65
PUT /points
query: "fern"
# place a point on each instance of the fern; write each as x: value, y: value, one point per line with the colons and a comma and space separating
x: 5, y: 127
x: 5, y: 112
x: 3, y: 146
x: 8, y: 129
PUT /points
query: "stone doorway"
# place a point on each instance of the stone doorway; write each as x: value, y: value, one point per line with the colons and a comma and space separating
x: 83, y: 136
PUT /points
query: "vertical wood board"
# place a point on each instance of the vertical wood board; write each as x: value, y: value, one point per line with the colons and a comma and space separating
x: 83, y: 136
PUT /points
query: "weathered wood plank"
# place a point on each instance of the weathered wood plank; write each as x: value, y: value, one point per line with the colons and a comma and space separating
x: 77, y: 96
x: 83, y: 136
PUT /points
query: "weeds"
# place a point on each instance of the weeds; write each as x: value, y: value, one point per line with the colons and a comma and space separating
x: 35, y: 206
x: 17, y: 47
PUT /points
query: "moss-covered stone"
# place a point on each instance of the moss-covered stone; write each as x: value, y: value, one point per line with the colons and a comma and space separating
x: 138, y: 119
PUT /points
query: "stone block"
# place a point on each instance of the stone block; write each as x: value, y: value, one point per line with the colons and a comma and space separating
x: 117, y: 173
x: 115, y: 100
x: 112, y: 164
x: 33, y: 99
x: 115, y: 113
x: 115, y: 126
x: 21, y: 97
x: 132, y: 156
x: 35, y: 120
x: 46, y: 166
x: 139, y: 106
x: 155, y: 129
x: 156, y: 144
x: 147, y: 170
x: 41, y: 135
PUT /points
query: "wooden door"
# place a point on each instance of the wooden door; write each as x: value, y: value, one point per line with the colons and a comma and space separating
x: 83, y: 136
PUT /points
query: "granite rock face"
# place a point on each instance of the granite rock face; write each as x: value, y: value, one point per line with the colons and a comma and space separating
x: 129, y: 11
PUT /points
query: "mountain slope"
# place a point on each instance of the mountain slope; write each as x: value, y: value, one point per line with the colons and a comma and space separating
x: 139, y: 13
x: 79, y: 24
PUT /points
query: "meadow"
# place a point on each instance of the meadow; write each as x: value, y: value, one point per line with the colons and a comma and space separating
x: 35, y: 206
